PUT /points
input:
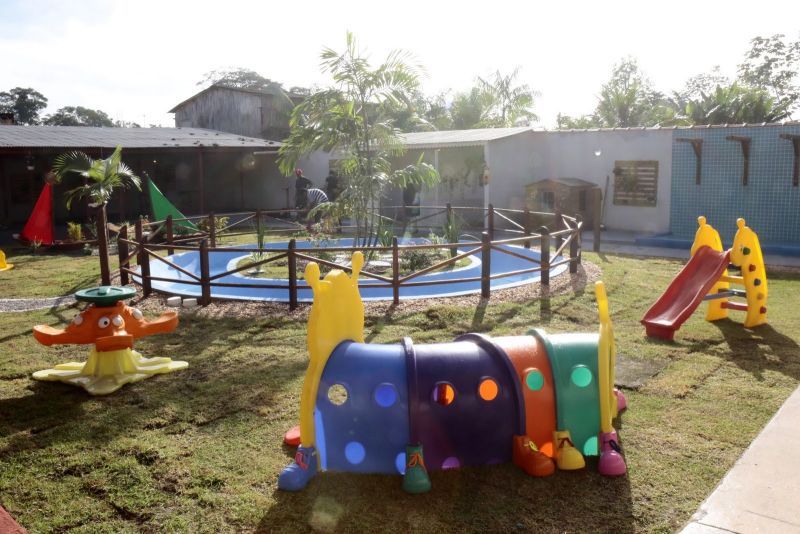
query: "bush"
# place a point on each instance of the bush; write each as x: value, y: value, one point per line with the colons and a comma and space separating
x: 74, y: 231
x: 220, y: 223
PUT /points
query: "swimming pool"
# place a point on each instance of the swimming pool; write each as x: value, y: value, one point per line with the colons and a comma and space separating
x: 221, y: 261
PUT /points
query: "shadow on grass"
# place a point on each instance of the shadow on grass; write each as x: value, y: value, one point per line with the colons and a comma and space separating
x: 762, y: 348
x: 234, y: 367
x: 497, y: 498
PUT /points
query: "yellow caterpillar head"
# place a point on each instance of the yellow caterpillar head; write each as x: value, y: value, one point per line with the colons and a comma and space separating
x: 745, y: 245
x: 337, y: 313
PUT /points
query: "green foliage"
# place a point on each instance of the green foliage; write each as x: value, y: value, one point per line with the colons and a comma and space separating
x: 772, y: 64
x: 24, y: 103
x: 104, y: 176
x: 79, y: 116
x: 74, y: 231
x: 510, y: 104
x: 354, y: 118
x: 734, y: 104
x: 220, y: 223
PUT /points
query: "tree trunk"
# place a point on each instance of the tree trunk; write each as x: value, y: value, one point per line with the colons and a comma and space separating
x: 102, y: 245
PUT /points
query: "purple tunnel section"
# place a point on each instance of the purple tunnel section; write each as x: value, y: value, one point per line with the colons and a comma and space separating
x: 365, y: 431
x: 457, y: 421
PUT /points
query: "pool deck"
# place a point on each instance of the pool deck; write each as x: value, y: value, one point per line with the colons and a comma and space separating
x: 761, y: 493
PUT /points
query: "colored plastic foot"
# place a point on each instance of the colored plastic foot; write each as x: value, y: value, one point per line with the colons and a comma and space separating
x: 530, y: 459
x: 416, y: 479
x: 292, y: 436
x: 297, y: 475
x: 568, y: 458
x: 622, y: 402
x: 612, y: 463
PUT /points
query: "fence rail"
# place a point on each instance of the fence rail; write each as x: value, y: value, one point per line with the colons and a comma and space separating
x: 562, y: 234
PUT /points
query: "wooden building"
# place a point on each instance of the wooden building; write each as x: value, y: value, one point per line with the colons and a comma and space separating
x: 263, y: 114
x: 571, y: 196
x: 198, y: 170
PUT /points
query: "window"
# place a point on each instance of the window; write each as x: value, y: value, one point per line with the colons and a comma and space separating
x: 547, y: 200
x: 635, y: 183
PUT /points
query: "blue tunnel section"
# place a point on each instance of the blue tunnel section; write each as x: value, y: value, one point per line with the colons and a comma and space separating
x: 368, y: 431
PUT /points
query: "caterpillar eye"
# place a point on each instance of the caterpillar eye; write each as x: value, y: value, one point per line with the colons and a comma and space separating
x: 77, y: 320
x: 104, y: 322
x: 117, y: 321
x: 137, y: 314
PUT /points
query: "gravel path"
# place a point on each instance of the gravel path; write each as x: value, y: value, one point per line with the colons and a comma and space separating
x: 22, y: 305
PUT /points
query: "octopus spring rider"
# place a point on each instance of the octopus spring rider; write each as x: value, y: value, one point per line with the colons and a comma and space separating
x: 111, y: 326
x: 539, y: 400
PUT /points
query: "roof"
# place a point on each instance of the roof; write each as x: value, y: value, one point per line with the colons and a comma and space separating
x: 260, y: 92
x: 456, y: 138
x: 569, y: 182
x: 671, y: 128
x: 100, y: 137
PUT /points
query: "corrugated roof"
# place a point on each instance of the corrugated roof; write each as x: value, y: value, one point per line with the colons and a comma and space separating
x: 455, y: 138
x: 569, y: 182
x: 670, y: 128
x: 96, y: 137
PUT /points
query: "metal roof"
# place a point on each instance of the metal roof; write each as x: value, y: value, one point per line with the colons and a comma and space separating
x: 569, y: 182
x: 671, y: 128
x: 100, y: 137
x: 455, y: 138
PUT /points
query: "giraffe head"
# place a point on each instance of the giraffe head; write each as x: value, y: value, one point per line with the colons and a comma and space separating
x: 706, y: 235
x: 746, y: 247
x: 337, y: 313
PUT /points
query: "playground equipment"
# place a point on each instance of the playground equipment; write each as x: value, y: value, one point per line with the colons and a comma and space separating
x: 112, y: 326
x: 478, y: 400
x: 161, y: 207
x: 5, y: 266
x: 705, y: 277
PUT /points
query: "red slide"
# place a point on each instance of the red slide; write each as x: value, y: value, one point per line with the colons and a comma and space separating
x: 685, y: 292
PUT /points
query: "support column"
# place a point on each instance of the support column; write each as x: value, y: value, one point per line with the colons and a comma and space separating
x: 487, y: 185
x: 201, y: 179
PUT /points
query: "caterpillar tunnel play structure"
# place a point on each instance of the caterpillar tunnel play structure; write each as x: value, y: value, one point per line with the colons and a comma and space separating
x: 540, y: 400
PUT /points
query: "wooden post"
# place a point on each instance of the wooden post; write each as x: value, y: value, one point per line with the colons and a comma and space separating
x: 574, y: 247
x: 170, y: 235
x: 545, y: 255
x: 526, y: 225
x: 598, y: 218
x: 557, y: 225
x: 449, y: 214
x: 201, y: 179
x: 143, y: 258
x: 486, y: 265
x: 396, y: 271
x: 122, y: 252
x: 292, y: 274
x: 258, y: 222
x: 490, y: 222
x: 205, y: 283
x: 212, y: 229
x: 102, y: 245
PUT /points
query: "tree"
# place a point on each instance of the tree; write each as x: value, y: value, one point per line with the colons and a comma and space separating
x: 510, y: 104
x: 24, y: 103
x: 628, y: 99
x: 734, y: 104
x: 79, y: 116
x: 241, y: 78
x: 471, y: 110
x: 565, y: 122
x: 772, y: 64
x: 103, y: 177
x: 352, y: 119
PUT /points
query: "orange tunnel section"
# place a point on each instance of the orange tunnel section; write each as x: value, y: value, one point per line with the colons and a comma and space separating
x: 529, y: 357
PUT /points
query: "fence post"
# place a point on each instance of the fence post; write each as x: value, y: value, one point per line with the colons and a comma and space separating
x: 102, y: 245
x: 490, y: 222
x: 292, y: 274
x: 396, y: 271
x: 170, y: 235
x: 205, y: 283
x: 143, y: 258
x: 526, y: 225
x: 558, y: 224
x: 122, y: 252
x: 545, y: 255
x: 598, y: 218
x: 486, y: 265
x: 574, y: 246
x: 212, y: 229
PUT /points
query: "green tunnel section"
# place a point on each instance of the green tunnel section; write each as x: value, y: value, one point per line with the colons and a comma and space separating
x: 573, y: 359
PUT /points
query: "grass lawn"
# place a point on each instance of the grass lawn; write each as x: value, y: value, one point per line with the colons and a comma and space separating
x: 200, y: 450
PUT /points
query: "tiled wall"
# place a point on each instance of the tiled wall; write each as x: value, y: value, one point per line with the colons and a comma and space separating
x: 769, y: 203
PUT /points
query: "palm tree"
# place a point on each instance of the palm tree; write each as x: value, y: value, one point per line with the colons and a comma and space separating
x: 511, y: 104
x: 101, y: 178
x: 355, y: 120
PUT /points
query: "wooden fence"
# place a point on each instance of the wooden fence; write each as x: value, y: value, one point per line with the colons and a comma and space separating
x: 557, y: 239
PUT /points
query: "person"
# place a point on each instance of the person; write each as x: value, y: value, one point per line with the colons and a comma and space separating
x: 301, y: 184
x: 315, y: 197
x: 332, y: 185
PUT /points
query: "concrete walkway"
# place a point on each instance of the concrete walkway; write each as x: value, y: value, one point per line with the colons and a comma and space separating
x: 761, y: 493
x: 619, y: 242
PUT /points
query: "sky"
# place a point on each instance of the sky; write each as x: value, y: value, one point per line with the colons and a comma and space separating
x: 136, y: 59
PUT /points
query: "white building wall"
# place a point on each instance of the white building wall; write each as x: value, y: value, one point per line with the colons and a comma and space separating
x: 525, y: 158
